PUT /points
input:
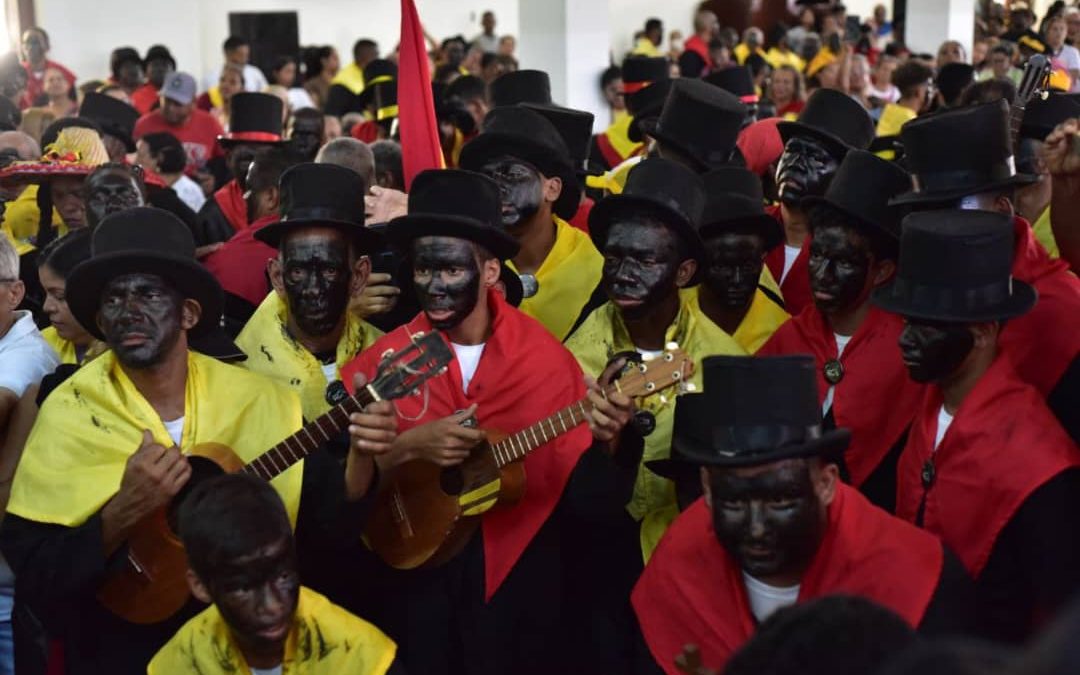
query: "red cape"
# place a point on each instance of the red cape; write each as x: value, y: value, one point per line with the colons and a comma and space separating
x: 697, y: 45
x: 1003, y: 444
x: 581, y: 218
x: 796, y: 285
x: 524, y: 375
x: 366, y: 132
x: 230, y: 199
x: 692, y: 590
x: 876, y: 399
x: 1041, y: 343
x: 240, y: 264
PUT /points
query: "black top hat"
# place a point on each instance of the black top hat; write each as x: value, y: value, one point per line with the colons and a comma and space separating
x: 143, y: 240
x: 754, y: 411
x: 700, y: 121
x: 861, y: 190
x: 834, y: 118
x: 639, y: 72
x: 321, y: 195
x: 736, y: 80
x: 521, y: 86
x: 575, y: 127
x: 953, y: 78
x: 960, y: 152
x: 159, y: 52
x: 956, y: 266
x: 657, y: 187
x: 115, y: 117
x: 515, y: 131
x: 254, y: 118
x: 1042, y: 115
x: 645, y: 107
x: 454, y: 203
x: 734, y: 202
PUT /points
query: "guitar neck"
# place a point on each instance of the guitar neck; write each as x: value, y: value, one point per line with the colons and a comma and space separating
x: 513, y: 448
x: 285, y: 454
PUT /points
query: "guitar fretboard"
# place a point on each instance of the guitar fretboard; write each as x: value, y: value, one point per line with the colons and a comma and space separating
x: 513, y: 448
x: 285, y: 454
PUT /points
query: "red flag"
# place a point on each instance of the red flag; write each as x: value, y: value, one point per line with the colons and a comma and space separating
x: 419, y: 130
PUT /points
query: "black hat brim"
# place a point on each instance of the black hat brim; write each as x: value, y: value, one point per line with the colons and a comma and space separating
x: 192, y: 280
x: 764, y: 225
x: 217, y: 344
x: 608, y: 210
x: 835, y: 144
x: 366, y: 240
x: 404, y: 230
x: 914, y: 198
x: 515, y: 291
x: 226, y: 142
x: 814, y: 200
x: 830, y: 445
x: 1020, y: 302
x: 674, y: 468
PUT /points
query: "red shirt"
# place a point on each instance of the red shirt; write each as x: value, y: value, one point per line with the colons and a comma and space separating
x: 35, y: 84
x: 796, y: 285
x: 144, y: 98
x: 240, y: 264
x: 198, y: 135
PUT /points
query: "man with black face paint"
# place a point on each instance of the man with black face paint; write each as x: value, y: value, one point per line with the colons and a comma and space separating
x: 861, y: 379
x: 776, y: 526
x: 558, y: 264
x: 86, y: 478
x: 987, y: 467
x: 158, y: 63
x: 111, y: 188
x: 242, y: 559
x: 737, y: 233
x: 306, y: 134
x: 831, y: 124
x: 508, y: 373
x: 648, y: 237
x: 302, y: 334
x: 254, y: 121
x: 964, y: 159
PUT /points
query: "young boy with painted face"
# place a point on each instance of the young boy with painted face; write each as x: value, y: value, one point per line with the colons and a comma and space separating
x: 509, y: 372
x: 558, y: 264
x: 861, y: 380
x: 776, y: 526
x: 242, y: 560
x: 831, y: 124
x: 303, y: 334
x: 648, y: 235
x: 987, y: 467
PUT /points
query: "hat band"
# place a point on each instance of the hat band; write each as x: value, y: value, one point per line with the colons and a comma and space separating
x: 386, y: 113
x: 948, y: 181
x: 320, y: 213
x: 634, y: 87
x: 379, y: 80
x: 918, y: 295
x: 742, y: 441
x: 252, y: 136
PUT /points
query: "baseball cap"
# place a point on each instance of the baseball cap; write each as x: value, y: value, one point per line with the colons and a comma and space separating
x: 179, y: 87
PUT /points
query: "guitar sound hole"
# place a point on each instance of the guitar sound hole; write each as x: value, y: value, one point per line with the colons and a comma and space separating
x: 452, y: 481
x: 202, y: 469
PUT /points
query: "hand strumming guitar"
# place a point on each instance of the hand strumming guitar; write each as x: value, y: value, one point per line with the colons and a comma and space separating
x: 371, y: 434
x: 610, y: 413
x: 444, y: 442
x: 153, y: 476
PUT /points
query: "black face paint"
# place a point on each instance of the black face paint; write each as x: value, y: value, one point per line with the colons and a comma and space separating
x: 805, y: 170
x: 734, y: 267
x: 770, y: 522
x: 447, y: 279
x: 109, y: 192
x: 520, y: 186
x: 933, y: 351
x: 316, y: 276
x: 641, y: 261
x: 239, y: 159
x: 306, y: 138
x: 257, y: 596
x: 140, y: 316
x: 839, y: 262
x: 157, y: 70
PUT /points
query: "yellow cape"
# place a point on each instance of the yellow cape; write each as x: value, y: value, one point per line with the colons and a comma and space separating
x: 92, y: 423
x: 272, y: 352
x: 351, y: 77
x: 762, y: 320
x: 21, y: 220
x: 603, y: 335
x: 66, y: 348
x: 1045, y: 234
x: 567, y: 279
x: 324, y: 640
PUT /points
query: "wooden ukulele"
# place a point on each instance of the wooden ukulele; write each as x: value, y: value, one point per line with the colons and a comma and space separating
x: 153, y: 586
x: 424, y: 514
x: 1032, y: 84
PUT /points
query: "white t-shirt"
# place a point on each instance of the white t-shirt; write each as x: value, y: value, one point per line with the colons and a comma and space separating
x: 649, y: 354
x: 189, y: 192
x: 766, y: 599
x: 175, y: 429
x: 25, y: 356
x: 276, y: 670
x: 468, y: 357
x: 329, y: 371
x: 1069, y: 59
x: 841, y: 344
x: 299, y: 99
x: 790, y: 254
x: 890, y: 94
x: 254, y: 80
x: 944, y: 419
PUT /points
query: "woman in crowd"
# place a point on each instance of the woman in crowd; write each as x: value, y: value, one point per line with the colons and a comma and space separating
x: 216, y: 100
x: 283, y: 74
x: 322, y: 65
x: 786, y: 91
x: 55, y: 262
x: 59, y: 94
x: 163, y: 154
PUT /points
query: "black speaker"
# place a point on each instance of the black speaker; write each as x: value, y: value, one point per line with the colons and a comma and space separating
x: 271, y: 34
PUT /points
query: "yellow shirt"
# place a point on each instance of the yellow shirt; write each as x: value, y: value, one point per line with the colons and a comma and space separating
x: 645, y: 47
x: 324, y: 640
x: 762, y: 320
x: 566, y: 280
x: 272, y: 352
x: 602, y: 336
x: 66, y: 348
x: 1045, y: 235
x: 742, y: 52
x: 893, y: 118
x: 352, y: 77
x: 21, y: 220
x: 777, y: 58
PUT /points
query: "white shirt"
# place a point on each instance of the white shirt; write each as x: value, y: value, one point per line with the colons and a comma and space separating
x: 766, y: 599
x: 175, y: 429
x: 25, y: 357
x: 329, y: 371
x: 890, y: 94
x: 790, y: 254
x: 254, y: 80
x: 300, y: 99
x: 649, y: 354
x: 944, y: 420
x: 841, y: 344
x: 276, y: 670
x: 468, y: 357
x: 189, y: 192
x: 1069, y: 59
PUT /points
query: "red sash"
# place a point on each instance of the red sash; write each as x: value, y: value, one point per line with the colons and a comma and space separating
x: 607, y: 149
x: 796, y: 285
x: 230, y: 199
x: 876, y: 399
x: 524, y: 375
x: 697, y: 45
x: 692, y: 590
x: 1003, y: 444
x: 240, y: 264
x: 581, y: 218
